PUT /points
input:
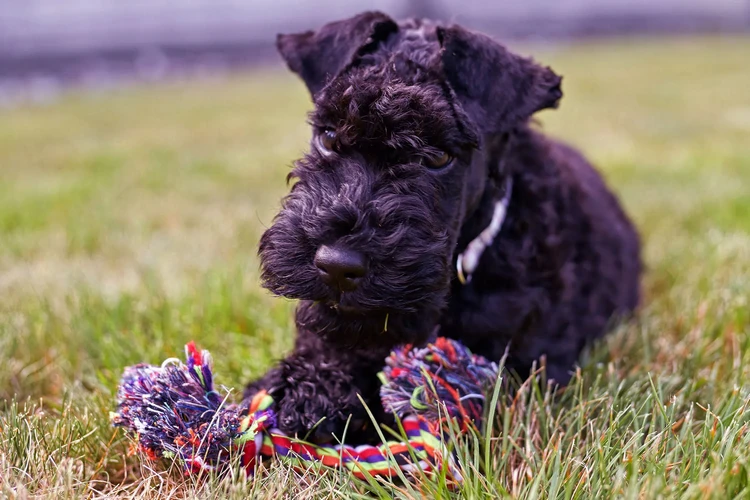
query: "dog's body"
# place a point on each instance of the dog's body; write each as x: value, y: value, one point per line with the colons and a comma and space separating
x: 419, y: 131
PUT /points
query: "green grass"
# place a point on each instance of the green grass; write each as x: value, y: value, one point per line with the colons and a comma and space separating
x: 129, y: 222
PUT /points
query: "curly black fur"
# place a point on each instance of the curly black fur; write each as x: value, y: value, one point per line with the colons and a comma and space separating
x: 565, y: 263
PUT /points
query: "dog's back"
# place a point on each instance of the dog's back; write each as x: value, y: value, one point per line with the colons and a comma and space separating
x: 610, y: 228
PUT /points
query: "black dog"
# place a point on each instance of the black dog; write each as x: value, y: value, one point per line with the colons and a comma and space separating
x: 395, y: 229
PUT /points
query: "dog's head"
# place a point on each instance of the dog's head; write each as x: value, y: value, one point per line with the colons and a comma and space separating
x: 406, y: 131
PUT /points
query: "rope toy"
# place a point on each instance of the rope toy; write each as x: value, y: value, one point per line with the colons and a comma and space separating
x: 174, y: 412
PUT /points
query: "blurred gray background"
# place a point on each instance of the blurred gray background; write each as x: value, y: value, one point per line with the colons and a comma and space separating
x: 48, y: 44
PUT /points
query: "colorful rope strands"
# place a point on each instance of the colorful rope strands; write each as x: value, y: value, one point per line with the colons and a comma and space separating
x: 174, y: 412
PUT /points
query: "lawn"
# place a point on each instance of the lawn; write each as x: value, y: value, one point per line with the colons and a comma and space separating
x: 129, y: 221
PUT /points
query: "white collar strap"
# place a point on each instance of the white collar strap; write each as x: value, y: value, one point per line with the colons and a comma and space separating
x: 468, y: 260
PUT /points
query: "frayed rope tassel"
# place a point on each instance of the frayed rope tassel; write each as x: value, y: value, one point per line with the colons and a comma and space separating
x: 174, y: 412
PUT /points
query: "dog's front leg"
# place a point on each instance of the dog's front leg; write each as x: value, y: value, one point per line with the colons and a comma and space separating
x: 317, y: 389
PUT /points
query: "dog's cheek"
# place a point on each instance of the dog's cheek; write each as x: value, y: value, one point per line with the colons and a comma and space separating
x: 461, y: 193
x: 406, y: 246
x: 474, y: 182
x: 286, y: 260
x: 412, y: 267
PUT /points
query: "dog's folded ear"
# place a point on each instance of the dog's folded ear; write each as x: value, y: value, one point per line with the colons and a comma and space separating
x: 318, y: 56
x: 497, y: 88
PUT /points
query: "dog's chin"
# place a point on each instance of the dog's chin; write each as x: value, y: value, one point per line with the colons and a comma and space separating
x: 351, y: 326
x: 352, y: 304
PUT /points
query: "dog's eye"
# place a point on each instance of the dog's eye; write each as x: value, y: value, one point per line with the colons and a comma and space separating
x: 326, y: 141
x: 439, y: 161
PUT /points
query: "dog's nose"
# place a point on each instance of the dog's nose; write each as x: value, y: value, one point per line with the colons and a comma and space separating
x: 340, y: 267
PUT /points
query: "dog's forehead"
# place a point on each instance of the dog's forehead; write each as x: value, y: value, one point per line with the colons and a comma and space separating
x: 375, y: 91
x: 394, y: 96
x: 409, y: 56
x: 373, y: 107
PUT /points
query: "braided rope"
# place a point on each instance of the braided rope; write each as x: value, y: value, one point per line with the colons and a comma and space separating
x: 364, y: 460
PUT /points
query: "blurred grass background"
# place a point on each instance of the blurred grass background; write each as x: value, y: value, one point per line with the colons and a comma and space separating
x: 129, y: 222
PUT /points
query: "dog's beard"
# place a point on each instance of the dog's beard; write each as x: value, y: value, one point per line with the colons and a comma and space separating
x: 351, y: 329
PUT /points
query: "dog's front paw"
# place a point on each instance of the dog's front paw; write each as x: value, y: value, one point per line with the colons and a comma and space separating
x: 313, y: 418
x: 317, y: 403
